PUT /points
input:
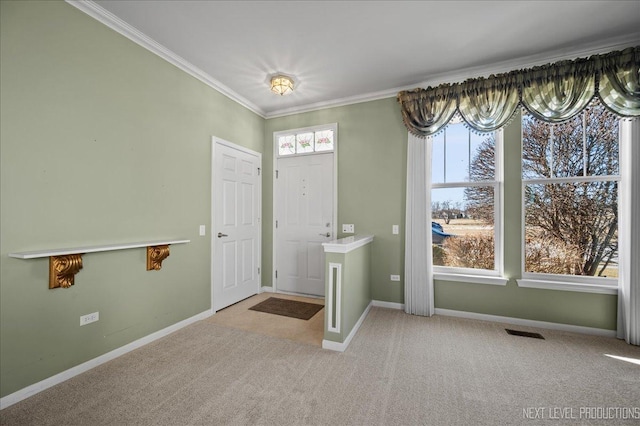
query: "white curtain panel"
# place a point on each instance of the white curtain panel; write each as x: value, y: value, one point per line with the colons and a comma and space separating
x: 418, y: 268
x: 629, y: 234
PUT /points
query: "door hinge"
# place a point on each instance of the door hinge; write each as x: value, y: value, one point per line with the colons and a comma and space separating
x: 276, y: 274
x: 276, y: 174
x: 258, y: 271
x: 258, y: 171
x: 276, y: 224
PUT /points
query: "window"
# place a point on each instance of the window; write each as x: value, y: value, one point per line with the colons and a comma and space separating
x: 465, y: 207
x: 305, y: 142
x: 570, y: 175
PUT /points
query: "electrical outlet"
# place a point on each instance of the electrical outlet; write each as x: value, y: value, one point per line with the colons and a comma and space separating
x: 89, y: 318
x: 203, y: 230
x: 395, y: 229
x: 395, y: 277
x: 348, y: 228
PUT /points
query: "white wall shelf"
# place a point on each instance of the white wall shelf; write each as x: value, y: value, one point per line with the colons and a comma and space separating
x: 65, y: 263
x: 93, y: 249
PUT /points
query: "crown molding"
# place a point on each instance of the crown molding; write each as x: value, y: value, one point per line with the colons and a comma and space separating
x: 524, y: 62
x: 457, y: 76
x: 333, y: 103
x: 112, y: 21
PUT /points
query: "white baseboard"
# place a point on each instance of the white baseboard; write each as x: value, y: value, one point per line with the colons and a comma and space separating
x: 35, y: 388
x: 388, y: 305
x: 341, y: 347
x: 265, y: 289
x: 528, y: 323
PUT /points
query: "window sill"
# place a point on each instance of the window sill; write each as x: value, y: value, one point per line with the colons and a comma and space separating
x: 475, y: 279
x: 564, y: 286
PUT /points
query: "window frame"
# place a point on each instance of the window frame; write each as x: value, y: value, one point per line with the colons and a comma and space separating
x: 580, y: 283
x: 472, y: 275
x: 312, y: 129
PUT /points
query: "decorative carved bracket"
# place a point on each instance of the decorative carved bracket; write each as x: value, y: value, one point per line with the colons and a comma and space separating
x: 62, y: 270
x: 155, y: 256
x: 65, y: 263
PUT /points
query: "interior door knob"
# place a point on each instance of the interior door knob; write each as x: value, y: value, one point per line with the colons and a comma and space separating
x: 328, y: 234
x: 220, y: 235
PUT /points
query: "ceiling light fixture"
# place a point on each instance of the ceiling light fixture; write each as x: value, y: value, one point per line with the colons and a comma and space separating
x: 281, y: 84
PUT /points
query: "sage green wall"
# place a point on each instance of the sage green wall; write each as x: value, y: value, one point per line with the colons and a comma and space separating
x: 371, y: 193
x: 101, y: 142
x: 372, y: 152
x: 356, y: 288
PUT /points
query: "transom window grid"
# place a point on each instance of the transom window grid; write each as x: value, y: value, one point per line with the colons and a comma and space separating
x: 570, y: 179
x: 466, y: 166
x: 305, y: 141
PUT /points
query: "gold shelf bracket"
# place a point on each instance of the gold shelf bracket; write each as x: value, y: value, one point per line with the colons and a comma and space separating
x: 155, y: 256
x: 62, y: 270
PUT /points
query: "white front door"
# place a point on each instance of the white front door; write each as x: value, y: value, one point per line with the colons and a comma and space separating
x: 304, y: 215
x: 235, y: 223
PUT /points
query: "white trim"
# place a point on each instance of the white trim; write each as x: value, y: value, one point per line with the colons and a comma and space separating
x: 93, y: 249
x: 35, y: 388
x: 573, y: 179
x: 266, y: 289
x: 347, y: 244
x: 334, y: 103
x: 107, y: 18
x: 527, y: 323
x: 274, y: 183
x: 578, y: 283
x: 498, y: 213
x: 112, y: 21
x: 329, y: 301
x: 215, y: 141
x: 310, y: 129
x: 602, y: 46
x: 341, y: 347
x: 525, y: 62
x: 555, y: 285
x: 476, y: 279
x: 388, y: 305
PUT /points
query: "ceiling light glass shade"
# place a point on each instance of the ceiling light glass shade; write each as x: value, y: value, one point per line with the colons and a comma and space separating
x: 282, y: 85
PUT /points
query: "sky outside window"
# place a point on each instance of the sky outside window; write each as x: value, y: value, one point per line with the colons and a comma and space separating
x: 452, y: 153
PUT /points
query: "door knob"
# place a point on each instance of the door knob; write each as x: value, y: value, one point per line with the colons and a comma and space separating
x: 220, y: 235
x: 328, y: 234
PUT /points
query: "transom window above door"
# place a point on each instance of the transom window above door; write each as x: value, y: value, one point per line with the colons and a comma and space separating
x: 306, y: 142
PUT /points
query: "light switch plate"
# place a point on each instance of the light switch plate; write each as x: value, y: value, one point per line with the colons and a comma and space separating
x: 395, y: 229
x: 395, y: 277
x: 348, y: 228
x: 203, y: 230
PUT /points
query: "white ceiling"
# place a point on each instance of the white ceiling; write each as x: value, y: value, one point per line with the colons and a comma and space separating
x: 346, y: 51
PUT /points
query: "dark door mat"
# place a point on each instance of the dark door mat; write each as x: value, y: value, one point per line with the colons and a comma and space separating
x: 524, y: 334
x: 288, y: 308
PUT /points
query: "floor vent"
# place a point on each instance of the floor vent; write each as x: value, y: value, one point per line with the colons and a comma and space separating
x: 524, y: 334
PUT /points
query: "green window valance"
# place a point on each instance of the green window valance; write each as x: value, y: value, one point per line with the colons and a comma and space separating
x: 553, y: 93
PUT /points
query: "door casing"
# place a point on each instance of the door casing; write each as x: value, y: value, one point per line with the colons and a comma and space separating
x: 215, y: 143
x: 334, y: 228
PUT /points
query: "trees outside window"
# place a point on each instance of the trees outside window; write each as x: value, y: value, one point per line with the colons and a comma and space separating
x: 570, y: 175
x: 464, y: 193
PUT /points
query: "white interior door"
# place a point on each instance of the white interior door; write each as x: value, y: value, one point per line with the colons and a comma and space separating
x: 304, y: 215
x: 235, y: 223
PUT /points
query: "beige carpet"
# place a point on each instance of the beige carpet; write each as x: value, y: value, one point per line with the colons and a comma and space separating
x: 398, y: 370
